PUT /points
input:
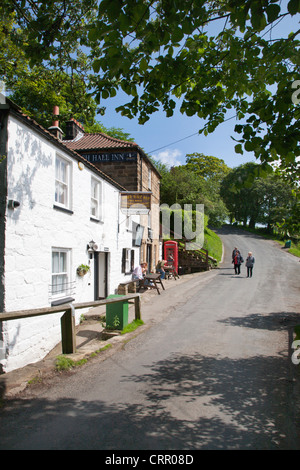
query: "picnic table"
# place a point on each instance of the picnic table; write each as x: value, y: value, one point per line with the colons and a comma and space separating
x: 154, y: 281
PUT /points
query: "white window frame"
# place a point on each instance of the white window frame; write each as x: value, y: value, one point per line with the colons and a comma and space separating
x: 63, y: 182
x: 60, y: 273
x: 96, y: 199
x: 127, y: 260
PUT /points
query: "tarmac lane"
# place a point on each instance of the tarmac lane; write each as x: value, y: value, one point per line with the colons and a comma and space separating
x: 214, y: 370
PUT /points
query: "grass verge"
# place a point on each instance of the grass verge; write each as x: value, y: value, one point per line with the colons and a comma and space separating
x: 66, y: 363
x: 132, y: 326
x: 213, y: 244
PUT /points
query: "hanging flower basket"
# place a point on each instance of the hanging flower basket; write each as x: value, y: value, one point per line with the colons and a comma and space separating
x: 82, y: 269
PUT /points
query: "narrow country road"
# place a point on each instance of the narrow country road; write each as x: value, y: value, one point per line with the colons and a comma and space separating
x: 213, y: 372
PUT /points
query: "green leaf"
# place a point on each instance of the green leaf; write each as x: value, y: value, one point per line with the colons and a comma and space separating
x: 93, y: 34
x: 238, y: 149
x: 96, y: 65
x: 113, y: 92
x: 143, y: 64
x: 177, y: 35
x: 272, y: 12
x: 249, y: 146
x: 294, y: 7
x: 105, y: 94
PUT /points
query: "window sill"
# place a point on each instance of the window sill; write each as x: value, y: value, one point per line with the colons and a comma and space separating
x: 66, y: 300
x: 62, y: 209
x: 97, y: 221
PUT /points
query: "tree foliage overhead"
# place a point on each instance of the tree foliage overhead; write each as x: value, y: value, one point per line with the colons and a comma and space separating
x: 205, y: 57
x: 37, y: 88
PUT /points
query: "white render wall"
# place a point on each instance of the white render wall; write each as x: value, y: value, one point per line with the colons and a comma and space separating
x: 35, y: 227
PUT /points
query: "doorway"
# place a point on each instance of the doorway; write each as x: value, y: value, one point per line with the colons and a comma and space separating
x: 101, y: 275
x: 149, y: 256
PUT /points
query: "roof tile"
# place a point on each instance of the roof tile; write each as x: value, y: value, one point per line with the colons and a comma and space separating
x: 99, y: 140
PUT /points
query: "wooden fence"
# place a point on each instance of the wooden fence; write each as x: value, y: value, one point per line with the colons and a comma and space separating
x: 68, y: 335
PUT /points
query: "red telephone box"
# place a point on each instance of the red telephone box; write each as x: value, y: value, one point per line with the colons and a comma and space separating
x: 171, y: 253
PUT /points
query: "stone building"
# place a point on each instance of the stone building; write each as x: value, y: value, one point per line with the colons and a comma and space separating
x: 127, y: 164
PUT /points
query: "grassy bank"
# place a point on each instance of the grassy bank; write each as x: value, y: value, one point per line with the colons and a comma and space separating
x: 213, y: 244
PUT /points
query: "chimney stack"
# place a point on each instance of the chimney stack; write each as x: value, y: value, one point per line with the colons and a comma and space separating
x: 73, y: 128
x: 55, y: 129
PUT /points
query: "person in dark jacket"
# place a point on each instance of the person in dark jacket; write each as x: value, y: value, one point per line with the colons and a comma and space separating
x: 237, y: 261
x: 234, y: 252
x: 249, y: 263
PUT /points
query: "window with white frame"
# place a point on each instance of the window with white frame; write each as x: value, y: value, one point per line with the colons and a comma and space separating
x: 60, y: 285
x: 62, y: 182
x: 96, y: 199
x: 127, y: 260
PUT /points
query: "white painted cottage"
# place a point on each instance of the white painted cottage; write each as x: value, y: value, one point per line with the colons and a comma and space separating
x: 57, y: 211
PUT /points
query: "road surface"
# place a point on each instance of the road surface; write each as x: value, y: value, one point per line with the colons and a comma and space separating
x: 213, y: 372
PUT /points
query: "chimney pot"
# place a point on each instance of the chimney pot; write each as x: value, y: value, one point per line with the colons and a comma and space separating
x: 55, y: 129
x: 55, y: 123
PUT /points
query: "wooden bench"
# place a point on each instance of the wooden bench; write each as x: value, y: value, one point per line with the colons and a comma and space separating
x: 153, y: 281
x: 128, y: 287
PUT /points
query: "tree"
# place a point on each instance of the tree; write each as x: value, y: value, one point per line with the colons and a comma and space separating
x: 205, y: 57
x: 37, y: 89
x: 257, y: 198
x: 211, y: 170
x: 275, y: 201
x: 182, y: 185
x: 207, y: 167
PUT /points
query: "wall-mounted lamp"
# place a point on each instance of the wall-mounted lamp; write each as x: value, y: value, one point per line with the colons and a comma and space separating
x: 13, y: 204
x: 91, y: 248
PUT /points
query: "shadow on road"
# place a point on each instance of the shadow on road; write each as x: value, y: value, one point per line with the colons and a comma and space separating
x: 270, y: 321
x: 192, y: 402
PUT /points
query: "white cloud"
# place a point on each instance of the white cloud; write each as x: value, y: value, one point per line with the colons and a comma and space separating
x: 170, y: 157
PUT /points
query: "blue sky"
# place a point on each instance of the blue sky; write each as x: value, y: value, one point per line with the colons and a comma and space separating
x: 171, y: 139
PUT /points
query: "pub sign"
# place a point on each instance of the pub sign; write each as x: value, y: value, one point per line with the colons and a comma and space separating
x: 136, y: 202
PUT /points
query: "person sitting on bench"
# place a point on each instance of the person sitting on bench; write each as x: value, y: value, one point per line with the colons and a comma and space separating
x: 140, y: 271
x: 160, y: 268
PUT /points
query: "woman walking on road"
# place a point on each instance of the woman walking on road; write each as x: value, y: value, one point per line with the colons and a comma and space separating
x: 249, y: 263
x: 237, y: 261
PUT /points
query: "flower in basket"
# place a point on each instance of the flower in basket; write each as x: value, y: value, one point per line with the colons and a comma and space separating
x: 82, y: 269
